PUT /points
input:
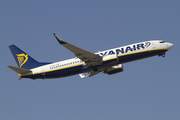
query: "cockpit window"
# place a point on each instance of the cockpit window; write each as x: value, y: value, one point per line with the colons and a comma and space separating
x: 161, y: 42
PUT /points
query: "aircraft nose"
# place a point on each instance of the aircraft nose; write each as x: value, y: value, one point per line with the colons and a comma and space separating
x: 170, y: 45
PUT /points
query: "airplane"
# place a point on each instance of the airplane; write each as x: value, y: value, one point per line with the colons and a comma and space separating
x: 86, y: 64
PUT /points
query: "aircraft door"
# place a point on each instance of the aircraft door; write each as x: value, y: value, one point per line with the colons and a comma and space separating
x: 42, y: 71
x: 153, y: 45
x: 117, y: 57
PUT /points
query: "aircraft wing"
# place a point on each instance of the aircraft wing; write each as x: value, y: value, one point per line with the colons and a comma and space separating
x: 89, y: 58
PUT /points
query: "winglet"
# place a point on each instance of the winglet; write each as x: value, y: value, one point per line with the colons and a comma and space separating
x: 59, y: 39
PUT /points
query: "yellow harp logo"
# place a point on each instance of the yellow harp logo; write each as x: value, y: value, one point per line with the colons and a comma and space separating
x: 22, y: 58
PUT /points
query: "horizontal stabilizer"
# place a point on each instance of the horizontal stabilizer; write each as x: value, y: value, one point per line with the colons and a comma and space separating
x: 20, y: 70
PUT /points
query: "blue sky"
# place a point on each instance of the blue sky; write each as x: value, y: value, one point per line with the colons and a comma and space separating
x: 147, y: 89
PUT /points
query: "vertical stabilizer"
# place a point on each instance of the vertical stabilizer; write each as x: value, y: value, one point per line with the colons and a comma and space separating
x: 23, y: 59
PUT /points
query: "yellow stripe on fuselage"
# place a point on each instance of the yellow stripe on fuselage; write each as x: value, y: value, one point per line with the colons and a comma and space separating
x: 102, y: 61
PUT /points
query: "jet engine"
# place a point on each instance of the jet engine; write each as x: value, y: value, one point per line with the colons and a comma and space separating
x: 114, y: 69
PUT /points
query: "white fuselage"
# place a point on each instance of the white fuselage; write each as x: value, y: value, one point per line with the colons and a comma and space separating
x: 122, y: 54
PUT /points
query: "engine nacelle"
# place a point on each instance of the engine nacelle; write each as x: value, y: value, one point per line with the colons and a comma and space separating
x: 109, y: 57
x: 114, y: 69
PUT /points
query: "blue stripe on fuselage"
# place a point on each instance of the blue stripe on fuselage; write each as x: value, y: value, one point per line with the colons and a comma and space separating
x: 79, y: 69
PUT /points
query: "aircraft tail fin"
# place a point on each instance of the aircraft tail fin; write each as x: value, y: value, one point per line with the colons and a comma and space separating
x: 23, y: 59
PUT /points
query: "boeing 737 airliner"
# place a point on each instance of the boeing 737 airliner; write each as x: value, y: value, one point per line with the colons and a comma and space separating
x: 108, y: 61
